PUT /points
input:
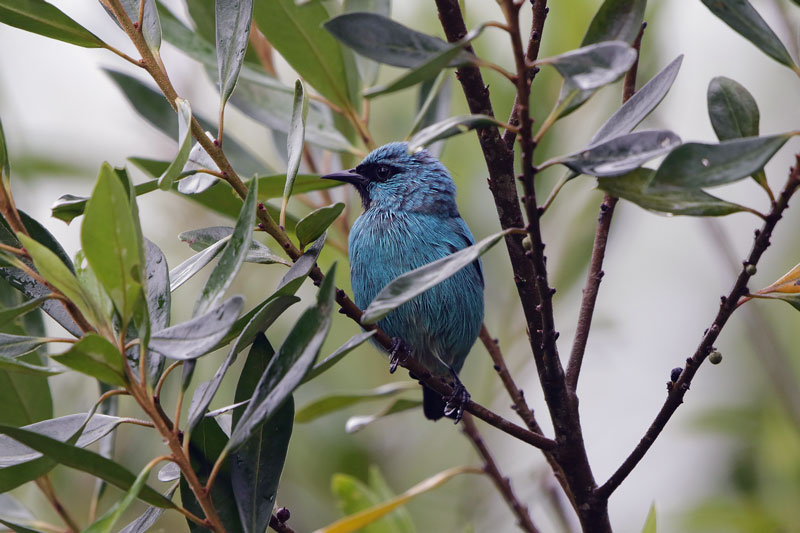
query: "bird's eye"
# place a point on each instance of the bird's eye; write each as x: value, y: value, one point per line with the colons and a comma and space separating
x: 383, y: 172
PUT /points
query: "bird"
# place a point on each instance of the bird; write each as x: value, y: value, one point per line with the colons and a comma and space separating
x: 410, y: 218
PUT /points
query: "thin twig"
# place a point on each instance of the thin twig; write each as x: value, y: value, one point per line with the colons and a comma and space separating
x: 46, y: 486
x: 502, y: 483
x: 728, y: 305
x: 170, y: 368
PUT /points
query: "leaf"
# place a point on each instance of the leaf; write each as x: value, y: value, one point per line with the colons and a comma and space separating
x: 17, y: 527
x: 744, y: 20
x: 732, y: 109
x: 7, y: 315
x: 411, y: 284
x: 337, y: 402
x: 196, y: 337
x: 386, y: 41
x: 256, y: 467
x: 593, y: 66
x: 338, y: 355
x: 665, y: 198
x: 55, y: 272
x: 151, y: 26
x: 159, y: 300
x: 315, y: 55
x: 621, y: 154
x: 149, y: 517
x: 13, y: 509
x: 5, y: 169
x: 198, y: 160
x: 184, y: 145
x: 183, y: 272
x: 289, y: 366
x: 265, y: 315
x: 433, y: 102
x: 8, y: 364
x: 110, y: 242
x: 200, y: 239
x: 313, y: 225
x: 707, y: 165
x: 233, y: 31
x: 650, y: 522
x: 95, y: 356
x: 355, y: 424
x: 352, y: 496
x: 15, y: 345
x: 448, y: 128
x: 85, y: 461
x: 616, y: 20
x: 366, y: 67
x: 639, y: 105
x: 295, y: 276
x: 789, y: 283
x: 232, y: 256
x: 43, y: 18
x: 294, y: 144
x: 106, y: 523
x: 363, y: 518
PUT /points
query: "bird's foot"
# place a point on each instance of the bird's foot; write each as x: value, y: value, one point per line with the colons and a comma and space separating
x: 399, y: 351
x: 455, y: 403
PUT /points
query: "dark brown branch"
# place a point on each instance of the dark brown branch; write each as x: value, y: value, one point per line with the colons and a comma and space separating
x: 728, y: 303
x: 598, y: 252
x: 502, y: 483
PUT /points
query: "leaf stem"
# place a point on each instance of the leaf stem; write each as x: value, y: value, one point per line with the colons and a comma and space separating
x: 46, y: 486
x: 552, y: 196
x: 170, y: 368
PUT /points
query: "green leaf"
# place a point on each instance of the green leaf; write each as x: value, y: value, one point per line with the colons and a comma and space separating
x: 665, y: 198
x: 745, y: 20
x: 233, y: 32
x: 337, y: 402
x: 43, y: 18
x: 448, y: 128
x: 196, y: 337
x: 639, y: 105
x: 411, y: 284
x: 294, y: 144
x: 698, y: 165
x: 386, y: 41
x: 184, y: 145
x: 433, y: 102
x: 183, y: 272
x: 95, y: 356
x: 264, y: 316
x: 15, y: 345
x: 355, y: 424
x: 7, y: 315
x: 232, y: 256
x: 200, y: 239
x: 149, y: 518
x: 17, y: 527
x: 313, y: 225
x: 256, y: 467
x: 151, y: 26
x: 110, y: 242
x: 367, y: 67
x: 294, y: 31
x: 85, y: 461
x: 620, y: 154
x: 55, y: 272
x: 650, y: 522
x: 732, y: 109
x: 353, y: 496
x: 106, y: 523
x: 353, y: 343
x: 5, y: 169
x: 159, y: 301
x: 292, y: 280
x: 616, y: 20
x: 593, y: 66
x: 289, y: 366
x: 8, y: 364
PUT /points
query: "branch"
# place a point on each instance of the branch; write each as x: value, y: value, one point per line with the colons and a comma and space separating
x: 46, y: 486
x: 678, y: 389
x: 502, y: 483
x: 598, y: 251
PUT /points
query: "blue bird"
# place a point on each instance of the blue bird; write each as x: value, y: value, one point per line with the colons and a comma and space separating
x: 411, y: 219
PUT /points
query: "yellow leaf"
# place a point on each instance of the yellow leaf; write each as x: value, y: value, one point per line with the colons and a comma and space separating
x: 363, y: 518
x: 789, y: 283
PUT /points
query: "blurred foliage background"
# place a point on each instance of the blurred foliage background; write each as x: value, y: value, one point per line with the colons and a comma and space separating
x: 730, y: 459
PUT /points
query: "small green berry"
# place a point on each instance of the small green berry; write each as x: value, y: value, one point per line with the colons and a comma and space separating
x: 527, y: 243
x: 715, y: 357
x: 750, y: 270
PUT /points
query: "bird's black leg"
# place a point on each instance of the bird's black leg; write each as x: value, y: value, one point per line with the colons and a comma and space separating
x: 398, y: 347
x: 454, y: 408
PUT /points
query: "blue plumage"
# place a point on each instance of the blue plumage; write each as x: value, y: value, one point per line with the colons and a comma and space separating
x: 411, y: 219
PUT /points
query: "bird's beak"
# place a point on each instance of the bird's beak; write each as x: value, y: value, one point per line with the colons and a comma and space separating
x: 348, y: 176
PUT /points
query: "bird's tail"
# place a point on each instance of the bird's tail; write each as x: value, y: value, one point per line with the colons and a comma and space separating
x: 432, y: 404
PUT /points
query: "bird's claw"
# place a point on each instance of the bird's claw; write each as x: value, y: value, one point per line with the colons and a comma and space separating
x: 455, y: 403
x: 398, y: 348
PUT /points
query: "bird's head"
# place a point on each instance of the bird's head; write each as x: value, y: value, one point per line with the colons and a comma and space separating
x: 391, y: 178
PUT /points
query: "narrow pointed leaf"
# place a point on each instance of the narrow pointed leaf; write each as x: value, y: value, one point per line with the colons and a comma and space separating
x: 149, y: 518
x: 732, y: 109
x: 110, y: 242
x: 411, y: 284
x: 43, y: 18
x: 367, y: 67
x: 198, y: 160
x: 386, y: 41
x: 183, y: 272
x: 789, y: 283
x: 650, y: 522
x: 368, y: 516
x: 698, y: 165
x: 5, y: 169
x: 337, y: 402
x: 448, y: 128
x: 313, y: 225
x: 85, y: 461
x: 621, y: 154
x: 338, y: 355
x: 294, y: 144
x: 233, y: 30
x: 95, y: 356
x: 355, y: 424
x: 200, y: 239
x: 639, y: 105
x: 15, y: 345
x: 433, y: 102
x: 7, y: 315
x: 354, y: 496
x: 791, y: 299
x: 9, y: 364
x: 595, y: 65
x: 665, y: 198
x: 184, y: 146
x: 196, y: 337
x: 151, y: 26
x: 289, y: 366
x: 232, y: 256
x: 745, y: 20
x: 616, y: 20
x: 159, y: 300
x: 17, y: 527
